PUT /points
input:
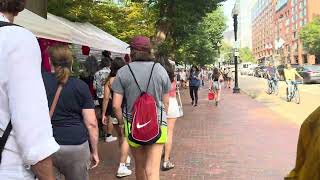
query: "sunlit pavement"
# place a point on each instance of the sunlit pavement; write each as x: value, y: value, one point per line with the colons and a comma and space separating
x: 310, y: 98
x: 241, y: 139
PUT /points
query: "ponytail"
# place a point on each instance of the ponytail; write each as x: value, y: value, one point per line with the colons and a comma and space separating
x: 62, y: 74
x: 61, y: 58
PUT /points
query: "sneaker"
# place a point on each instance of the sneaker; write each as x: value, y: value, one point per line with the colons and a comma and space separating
x: 166, y: 166
x: 128, y: 161
x: 110, y: 139
x: 123, y: 171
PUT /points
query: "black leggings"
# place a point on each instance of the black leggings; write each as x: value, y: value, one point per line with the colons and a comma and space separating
x: 194, y: 93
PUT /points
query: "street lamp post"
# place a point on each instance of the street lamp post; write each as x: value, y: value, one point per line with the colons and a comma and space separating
x: 235, y: 13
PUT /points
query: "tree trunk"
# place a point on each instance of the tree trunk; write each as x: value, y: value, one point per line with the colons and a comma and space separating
x: 38, y: 6
x: 167, y: 10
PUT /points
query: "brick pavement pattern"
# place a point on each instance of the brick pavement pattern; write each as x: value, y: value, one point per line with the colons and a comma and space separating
x: 239, y: 140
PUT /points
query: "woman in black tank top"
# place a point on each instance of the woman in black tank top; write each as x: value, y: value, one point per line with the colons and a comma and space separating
x: 108, y: 115
x: 217, y: 78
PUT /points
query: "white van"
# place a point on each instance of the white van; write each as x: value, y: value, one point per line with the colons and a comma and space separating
x: 245, y: 68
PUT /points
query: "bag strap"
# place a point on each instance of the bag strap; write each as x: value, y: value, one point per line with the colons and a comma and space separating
x: 2, y: 24
x: 55, y: 100
x: 150, y: 76
x: 7, y: 131
x: 4, y: 138
x: 136, y: 79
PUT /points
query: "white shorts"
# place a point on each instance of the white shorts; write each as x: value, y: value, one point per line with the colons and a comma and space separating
x: 216, y: 85
x: 173, y: 111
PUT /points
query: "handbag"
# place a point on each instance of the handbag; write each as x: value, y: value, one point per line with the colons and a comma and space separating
x: 179, y: 103
x: 211, y: 95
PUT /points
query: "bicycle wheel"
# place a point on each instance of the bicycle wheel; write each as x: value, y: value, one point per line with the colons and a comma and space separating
x: 276, y: 90
x: 297, y: 96
x: 269, y: 89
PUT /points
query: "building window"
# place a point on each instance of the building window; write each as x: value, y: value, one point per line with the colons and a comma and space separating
x: 296, y: 59
x: 305, y: 59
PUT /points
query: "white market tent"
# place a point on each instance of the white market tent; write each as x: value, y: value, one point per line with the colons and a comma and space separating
x: 60, y: 29
x: 91, y: 37
x: 43, y: 28
x: 105, y: 36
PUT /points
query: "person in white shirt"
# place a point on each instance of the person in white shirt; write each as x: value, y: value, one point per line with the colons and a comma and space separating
x: 27, y: 152
x: 183, y: 78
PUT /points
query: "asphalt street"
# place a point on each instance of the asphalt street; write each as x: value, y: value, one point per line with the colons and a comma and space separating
x: 297, y: 113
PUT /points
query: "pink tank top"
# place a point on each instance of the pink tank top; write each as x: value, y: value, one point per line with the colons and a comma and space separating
x: 173, y: 90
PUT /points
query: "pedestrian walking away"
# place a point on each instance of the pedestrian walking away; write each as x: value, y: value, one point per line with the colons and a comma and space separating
x: 129, y: 85
x: 216, y: 81
x: 195, y: 82
x: 73, y: 119
x: 98, y: 84
x: 109, y: 116
x: 228, y: 74
x: 173, y: 114
x: 25, y: 151
x: 183, y: 76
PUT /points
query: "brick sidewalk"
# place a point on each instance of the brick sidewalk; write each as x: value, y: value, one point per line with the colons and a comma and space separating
x: 239, y: 140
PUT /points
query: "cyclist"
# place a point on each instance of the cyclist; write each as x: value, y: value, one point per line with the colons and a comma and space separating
x: 290, y: 77
x: 272, y: 75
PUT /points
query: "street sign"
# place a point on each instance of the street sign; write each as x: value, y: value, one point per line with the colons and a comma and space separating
x: 237, y: 53
x: 237, y: 44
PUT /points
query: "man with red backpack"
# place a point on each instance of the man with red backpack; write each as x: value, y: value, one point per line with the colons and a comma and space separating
x: 140, y: 103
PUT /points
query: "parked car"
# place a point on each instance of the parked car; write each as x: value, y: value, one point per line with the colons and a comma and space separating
x: 251, y: 71
x: 244, y: 68
x: 310, y: 73
x: 260, y: 71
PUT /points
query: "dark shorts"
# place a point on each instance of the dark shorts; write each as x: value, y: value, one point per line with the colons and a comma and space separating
x: 109, y: 108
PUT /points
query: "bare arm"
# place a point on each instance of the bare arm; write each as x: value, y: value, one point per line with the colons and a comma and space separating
x: 165, y: 100
x: 105, y: 102
x: 116, y: 104
x: 90, y: 121
x: 43, y: 169
x: 298, y: 74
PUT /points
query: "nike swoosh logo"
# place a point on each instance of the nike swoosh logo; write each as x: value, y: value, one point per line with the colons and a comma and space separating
x: 143, y: 125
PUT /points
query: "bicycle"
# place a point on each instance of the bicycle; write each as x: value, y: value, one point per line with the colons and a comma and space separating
x: 273, y: 87
x: 295, y: 95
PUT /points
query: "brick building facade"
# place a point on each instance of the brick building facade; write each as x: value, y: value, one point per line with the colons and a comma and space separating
x: 288, y: 17
x: 262, y: 30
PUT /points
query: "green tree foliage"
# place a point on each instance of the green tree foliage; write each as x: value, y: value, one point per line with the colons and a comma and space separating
x: 226, y: 51
x: 121, y: 21
x: 246, y: 55
x: 183, y: 29
x: 202, y: 47
x: 310, y: 36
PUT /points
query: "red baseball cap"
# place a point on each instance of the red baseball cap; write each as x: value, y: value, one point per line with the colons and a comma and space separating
x: 140, y: 43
